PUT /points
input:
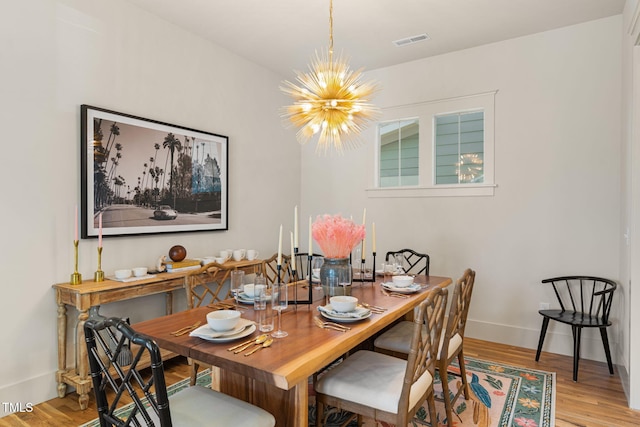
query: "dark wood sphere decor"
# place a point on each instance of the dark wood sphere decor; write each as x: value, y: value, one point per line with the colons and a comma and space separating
x: 177, y: 253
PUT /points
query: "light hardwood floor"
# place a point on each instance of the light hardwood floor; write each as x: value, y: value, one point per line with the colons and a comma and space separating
x: 597, y: 399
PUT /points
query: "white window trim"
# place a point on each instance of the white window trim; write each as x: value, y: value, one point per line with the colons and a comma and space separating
x: 425, y: 111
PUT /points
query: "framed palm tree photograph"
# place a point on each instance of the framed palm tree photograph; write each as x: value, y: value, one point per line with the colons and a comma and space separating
x: 142, y: 176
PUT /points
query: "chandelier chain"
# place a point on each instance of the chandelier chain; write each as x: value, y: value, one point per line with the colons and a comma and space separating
x: 330, y: 30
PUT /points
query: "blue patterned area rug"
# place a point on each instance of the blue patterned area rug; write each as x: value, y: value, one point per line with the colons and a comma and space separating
x: 501, y: 396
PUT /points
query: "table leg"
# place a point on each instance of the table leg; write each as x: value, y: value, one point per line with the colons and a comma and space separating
x: 289, y: 407
x: 82, y: 362
x: 169, y: 302
x: 215, y: 378
x: 300, y: 395
x: 62, y: 346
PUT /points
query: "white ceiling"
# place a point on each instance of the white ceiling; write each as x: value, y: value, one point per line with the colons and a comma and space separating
x: 283, y: 35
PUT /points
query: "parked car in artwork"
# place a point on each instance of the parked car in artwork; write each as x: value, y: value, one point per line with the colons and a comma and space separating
x: 164, y: 212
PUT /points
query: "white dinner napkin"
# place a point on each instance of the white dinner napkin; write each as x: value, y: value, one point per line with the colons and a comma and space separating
x: 357, y: 313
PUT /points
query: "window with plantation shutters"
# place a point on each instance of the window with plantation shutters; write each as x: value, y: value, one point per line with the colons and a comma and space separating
x: 436, y: 148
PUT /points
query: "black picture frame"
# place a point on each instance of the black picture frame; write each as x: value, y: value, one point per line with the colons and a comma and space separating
x: 124, y: 178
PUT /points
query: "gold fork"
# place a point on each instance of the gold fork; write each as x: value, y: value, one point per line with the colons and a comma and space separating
x: 373, y: 308
x: 330, y: 325
x: 186, y: 329
x: 393, y: 294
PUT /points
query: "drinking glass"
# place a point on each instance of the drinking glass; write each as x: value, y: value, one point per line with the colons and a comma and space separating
x: 237, y: 284
x: 316, y: 264
x: 279, y: 302
x: 399, y: 263
x: 264, y: 311
x: 331, y: 289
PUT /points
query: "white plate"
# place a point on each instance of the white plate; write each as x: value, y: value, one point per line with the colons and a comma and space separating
x: 345, y: 317
x: 246, y: 328
x: 412, y: 289
x: 244, y: 298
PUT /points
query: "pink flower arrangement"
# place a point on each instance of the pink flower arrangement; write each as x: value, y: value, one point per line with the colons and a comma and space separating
x: 337, y: 236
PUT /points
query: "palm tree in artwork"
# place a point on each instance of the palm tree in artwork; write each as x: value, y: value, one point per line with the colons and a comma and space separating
x: 173, y: 144
x: 114, y: 131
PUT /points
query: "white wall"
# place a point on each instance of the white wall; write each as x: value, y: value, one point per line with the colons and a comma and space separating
x: 556, y: 208
x: 630, y: 262
x: 57, y: 55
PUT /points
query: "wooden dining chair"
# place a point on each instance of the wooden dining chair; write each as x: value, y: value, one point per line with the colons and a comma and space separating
x: 397, y: 340
x: 384, y: 387
x: 205, y: 284
x: 414, y: 262
x: 585, y: 302
x: 270, y: 269
x: 116, y: 385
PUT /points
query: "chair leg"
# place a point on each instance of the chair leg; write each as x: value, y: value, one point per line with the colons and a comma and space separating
x: 543, y: 332
x: 577, y: 332
x: 319, y: 413
x: 444, y: 379
x: 607, y: 351
x: 431, y: 404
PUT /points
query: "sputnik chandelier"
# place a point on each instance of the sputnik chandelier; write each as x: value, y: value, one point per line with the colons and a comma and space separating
x: 330, y: 100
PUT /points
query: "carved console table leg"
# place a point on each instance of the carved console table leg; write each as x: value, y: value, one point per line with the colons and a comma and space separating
x: 82, y: 367
x: 62, y: 346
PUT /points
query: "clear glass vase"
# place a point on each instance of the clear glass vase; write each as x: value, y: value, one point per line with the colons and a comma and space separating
x: 339, y: 268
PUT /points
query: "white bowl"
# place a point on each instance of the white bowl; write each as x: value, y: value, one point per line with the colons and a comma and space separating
x: 402, y: 281
x: 123, y: 274
x: 249, y: 290
x: 140, y: 271
x: 343, y: 303
x: 223, y: 320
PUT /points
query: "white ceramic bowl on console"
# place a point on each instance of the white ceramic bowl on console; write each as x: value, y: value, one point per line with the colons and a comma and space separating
x: 402, y: 281
x: 123, y: 274
x: 140, y: 271
x: 343, y: 303
x: 223, y: 320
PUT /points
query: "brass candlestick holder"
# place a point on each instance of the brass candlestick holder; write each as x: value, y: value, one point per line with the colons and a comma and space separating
x: 98, y: 276
x: 76, y: 278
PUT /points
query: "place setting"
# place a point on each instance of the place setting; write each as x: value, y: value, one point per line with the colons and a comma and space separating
x: 223, y: 326
x: 344, y: 308
x: 400, y: 286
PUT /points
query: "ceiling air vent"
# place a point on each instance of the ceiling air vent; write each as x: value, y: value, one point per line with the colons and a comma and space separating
x: 411, y: 40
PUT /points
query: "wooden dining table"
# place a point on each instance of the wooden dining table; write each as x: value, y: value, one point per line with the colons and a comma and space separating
x: 276, y: 378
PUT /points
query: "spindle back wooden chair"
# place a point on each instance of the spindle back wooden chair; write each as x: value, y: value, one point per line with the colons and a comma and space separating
x: 585, y: 302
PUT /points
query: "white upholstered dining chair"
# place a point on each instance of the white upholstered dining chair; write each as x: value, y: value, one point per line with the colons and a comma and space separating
x: 384, y: 387
x: 398, y: 339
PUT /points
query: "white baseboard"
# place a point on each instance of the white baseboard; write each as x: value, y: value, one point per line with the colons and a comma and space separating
x: 18, y: 397
x: 557, y: 340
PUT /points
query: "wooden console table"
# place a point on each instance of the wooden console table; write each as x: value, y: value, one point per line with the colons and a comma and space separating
x: 90, y: 293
